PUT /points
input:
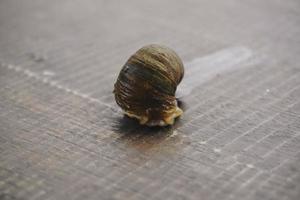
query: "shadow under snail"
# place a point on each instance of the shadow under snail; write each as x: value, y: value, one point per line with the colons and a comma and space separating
x: 146, y: 85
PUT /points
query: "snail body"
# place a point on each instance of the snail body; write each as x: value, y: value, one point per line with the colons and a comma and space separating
x: 146, y: 85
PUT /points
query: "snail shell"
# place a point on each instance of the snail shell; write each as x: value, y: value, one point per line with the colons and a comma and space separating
x: 146, y: 86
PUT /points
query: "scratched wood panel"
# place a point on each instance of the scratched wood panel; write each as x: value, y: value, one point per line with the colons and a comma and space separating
x: 63, y: 137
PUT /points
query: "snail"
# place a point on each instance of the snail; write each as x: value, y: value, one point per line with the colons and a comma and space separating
x: 146, y: 85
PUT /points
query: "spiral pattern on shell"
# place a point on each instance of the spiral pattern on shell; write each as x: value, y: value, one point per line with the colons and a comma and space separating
x: 146, y: 86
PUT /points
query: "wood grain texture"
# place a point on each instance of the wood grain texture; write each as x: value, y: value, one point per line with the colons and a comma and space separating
x: 63, y: 137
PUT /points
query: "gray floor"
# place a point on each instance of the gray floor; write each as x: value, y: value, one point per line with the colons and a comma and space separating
x: 62, y: 136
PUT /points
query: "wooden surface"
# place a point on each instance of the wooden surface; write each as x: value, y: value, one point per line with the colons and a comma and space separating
x: 63, y: 137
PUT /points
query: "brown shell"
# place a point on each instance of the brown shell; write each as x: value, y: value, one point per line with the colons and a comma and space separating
x: 146, y: 86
